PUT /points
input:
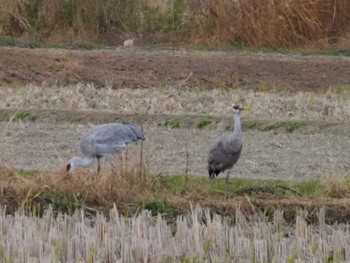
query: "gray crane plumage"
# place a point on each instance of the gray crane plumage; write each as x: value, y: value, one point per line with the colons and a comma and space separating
x: 226, y: 150
x: 104, y: 141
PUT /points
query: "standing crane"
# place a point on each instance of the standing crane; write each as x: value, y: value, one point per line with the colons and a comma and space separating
x: 226, y: 150
x: 104, y: 141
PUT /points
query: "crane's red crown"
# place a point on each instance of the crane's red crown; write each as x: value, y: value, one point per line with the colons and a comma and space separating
x: 68, y: 167
x: 237, y: 107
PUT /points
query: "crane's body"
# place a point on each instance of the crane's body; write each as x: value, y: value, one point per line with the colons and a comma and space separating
x: 104, y: 141
x: 226, y: 150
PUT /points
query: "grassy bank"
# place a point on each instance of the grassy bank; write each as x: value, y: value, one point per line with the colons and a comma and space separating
x: 132, y: 191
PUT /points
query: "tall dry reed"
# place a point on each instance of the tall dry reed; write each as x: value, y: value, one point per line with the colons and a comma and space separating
x: 271, y: 23
x: 266, y: 23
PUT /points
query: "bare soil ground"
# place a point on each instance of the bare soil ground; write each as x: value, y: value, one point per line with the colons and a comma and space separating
x: 139, y: 68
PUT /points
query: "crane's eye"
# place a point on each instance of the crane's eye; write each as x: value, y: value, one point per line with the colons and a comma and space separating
x: 68, y: 167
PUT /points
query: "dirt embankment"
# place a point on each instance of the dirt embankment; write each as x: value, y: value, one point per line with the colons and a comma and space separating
x: 141, y: 69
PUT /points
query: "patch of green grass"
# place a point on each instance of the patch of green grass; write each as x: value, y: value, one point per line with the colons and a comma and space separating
x: 159, y: 206
x: 26, y: 43
x: 292, y: 125
x: 327, y: 52
x: 260, y: 126
x: 27, y: 173
x: 185, y: 259
x: 242, y: 186
x: 85, y: 45
x: 177, y: 184
x: 242, y: 47
x: 7, y: 41
x: 173, y: 123
x: 311, y: 188
x: 20, y: 115
x: 342, y: 91
x: 18, y: 42
x: 62, y: 201
x: 33, y: 68
x: 291, y: 258
x: 287, y: 126
x: 202, y: 123
x: 268, y: 88
x: 69, y: 80
x: 218, y: 47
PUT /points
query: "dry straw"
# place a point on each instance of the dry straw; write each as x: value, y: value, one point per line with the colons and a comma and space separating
x: 333, y: 105
x: 198, y: 237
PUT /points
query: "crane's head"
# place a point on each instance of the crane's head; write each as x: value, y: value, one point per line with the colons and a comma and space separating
x: 236, y: 108
x: 68, y: 167
x: 72, y: 164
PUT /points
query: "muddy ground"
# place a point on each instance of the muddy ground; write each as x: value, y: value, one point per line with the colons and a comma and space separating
x: 47, y: 142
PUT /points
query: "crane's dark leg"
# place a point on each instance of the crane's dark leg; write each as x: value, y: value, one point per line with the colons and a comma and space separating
x: 110, y: 158
x: 113, y: 167
x: 226, y: 182
x: 98, y: 166
x: 211, y: 185
x: 212, y: 175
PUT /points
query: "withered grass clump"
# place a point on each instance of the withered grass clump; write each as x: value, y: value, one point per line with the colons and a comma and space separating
x: 266, y: 23
x: 79, y: 190
x: 338, y: 187
x: 130, y: 188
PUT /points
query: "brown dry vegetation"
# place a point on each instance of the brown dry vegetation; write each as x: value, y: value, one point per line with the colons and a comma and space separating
x: 268, y: 23
x: 275, y: 23
x: 131, y: 190
x: 88, y: 103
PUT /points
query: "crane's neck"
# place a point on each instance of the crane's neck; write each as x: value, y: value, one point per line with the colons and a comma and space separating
x: 237, y: 118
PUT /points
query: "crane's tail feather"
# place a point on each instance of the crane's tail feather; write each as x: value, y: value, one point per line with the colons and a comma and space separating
x: 136, y: 131
x: 212, y: 172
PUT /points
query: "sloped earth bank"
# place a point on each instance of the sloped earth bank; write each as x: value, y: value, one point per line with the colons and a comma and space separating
x: 139, y: 68
x: 45, y: 139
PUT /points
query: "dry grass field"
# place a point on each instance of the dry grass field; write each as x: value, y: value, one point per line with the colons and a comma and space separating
x: 289, y: 196
x: 63, y: 69
x: 196, y: 237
